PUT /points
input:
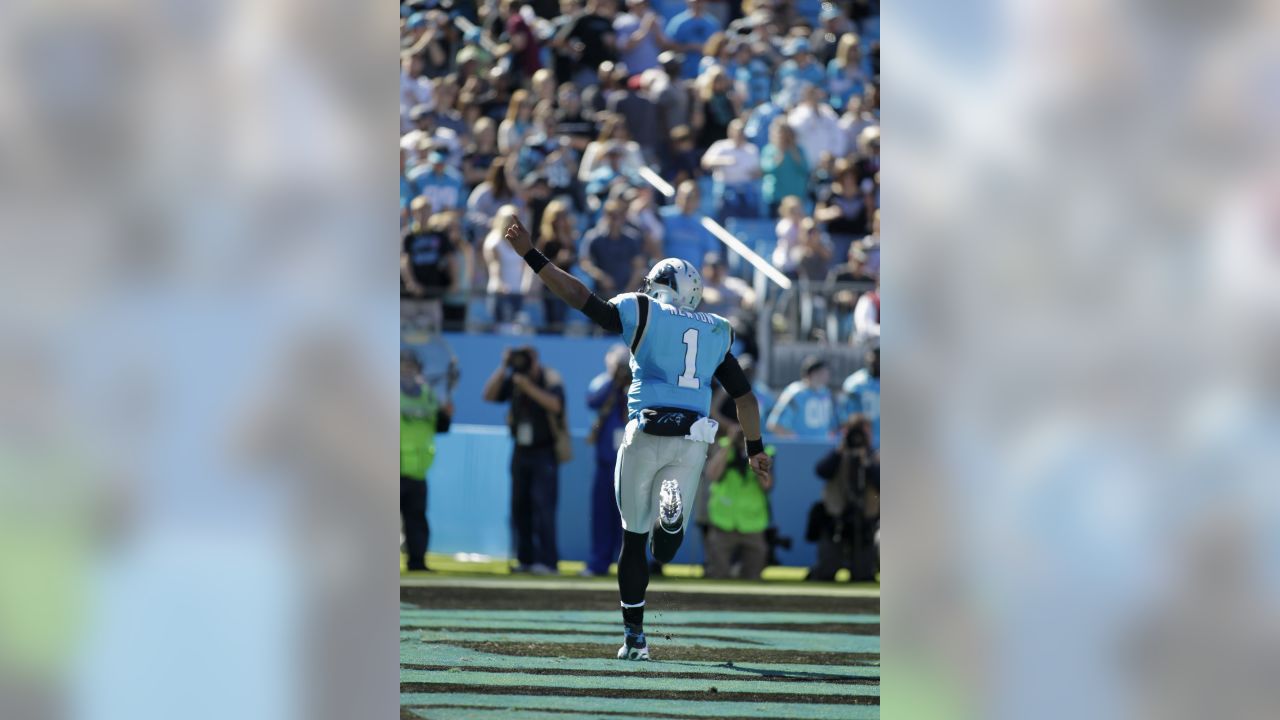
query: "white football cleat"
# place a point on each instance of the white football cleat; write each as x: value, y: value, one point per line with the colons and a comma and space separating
x: 669, y: 506
x: 634, y: 646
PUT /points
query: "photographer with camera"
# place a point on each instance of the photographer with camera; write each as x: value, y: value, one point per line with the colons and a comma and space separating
x: 538, y: 427
x: 844, y: 522
x: 737, y: 511
x: 607, y: 396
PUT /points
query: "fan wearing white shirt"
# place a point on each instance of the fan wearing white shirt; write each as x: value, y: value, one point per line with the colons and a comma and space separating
x: 817, y: 126
x: 734, y: 164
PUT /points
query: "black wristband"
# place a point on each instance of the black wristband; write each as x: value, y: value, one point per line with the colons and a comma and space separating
x: 536, y: 260
x: 755, y: 447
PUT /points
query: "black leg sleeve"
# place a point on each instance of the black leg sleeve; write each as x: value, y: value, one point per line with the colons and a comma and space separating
x: 633, y: 569
x: 666, y: 544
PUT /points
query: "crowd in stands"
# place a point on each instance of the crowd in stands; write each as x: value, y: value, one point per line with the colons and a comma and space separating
x: 615, y: 130
x: 762, y: 115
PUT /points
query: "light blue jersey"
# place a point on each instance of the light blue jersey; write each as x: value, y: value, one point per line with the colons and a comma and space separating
x: 863, y: 392
x: 807, y: 412
x: 674, y: 353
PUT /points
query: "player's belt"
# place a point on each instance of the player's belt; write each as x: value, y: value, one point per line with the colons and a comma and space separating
x: 667, y: 422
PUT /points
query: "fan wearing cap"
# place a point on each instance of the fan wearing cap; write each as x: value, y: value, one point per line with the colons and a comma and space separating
x: 806, y: 407
x: 676, y: 355
x: 801, y: 65
x: 438, y: 182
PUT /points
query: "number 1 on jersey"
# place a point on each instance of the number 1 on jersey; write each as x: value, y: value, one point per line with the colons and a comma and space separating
x: 689, y: 379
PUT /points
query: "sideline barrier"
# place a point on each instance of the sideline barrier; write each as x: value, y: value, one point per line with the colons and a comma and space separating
x: 469, y: 502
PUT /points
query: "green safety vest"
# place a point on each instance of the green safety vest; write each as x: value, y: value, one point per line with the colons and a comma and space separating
x: 737, y: 503
x: 418, y: 433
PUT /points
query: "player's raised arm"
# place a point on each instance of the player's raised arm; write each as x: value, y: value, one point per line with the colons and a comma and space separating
x: 565, y: 286
x: 736, y: 384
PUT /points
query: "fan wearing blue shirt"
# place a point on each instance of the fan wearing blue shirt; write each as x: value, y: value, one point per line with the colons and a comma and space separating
x: 806, y: 408
x: 801, y: 65
x: 689, y: 31
x: 684, y: 236
x: 862, y: 392
x: 439, y: 183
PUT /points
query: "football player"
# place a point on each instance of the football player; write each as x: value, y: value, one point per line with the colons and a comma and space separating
x: 675, y: 354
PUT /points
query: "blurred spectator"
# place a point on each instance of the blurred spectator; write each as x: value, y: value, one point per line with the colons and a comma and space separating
x: 415, y: 90
x: 594, y: 96
x: 786, y: 171
x: 790, y: 215
x: 608, y: 174
x: 612, y: 252
x: 571, y: 122
x: 588, y: 40
x: 422, y: 415
x: 683, y: 161
x: 801, y: 65
x: 543, y: 87
x: 489, y: 197
x: 408, y: 191
x: 558, y: 241
x: 430, y: 255
x: 845, y: 76
x: 481, y: 152
x: 689, y: 32
x: 866, y: 316
x: 607, y: 396
x: 553, y: 159
x: 447, y: 114
x: 638, y: 111
x: 715, y: 53
x: 718, y: 105
x: 426, y: 133
x: 613, y: 133
x: 536, y: 395
x: 833, y: 27
x: 870, y: 245
x: 737, y: 512
x: 855, y: 120
x: 868, y: 163
x: 812, y: 254
x: 817, y: 126
x: 759, y: 123
x: 735, y: 166
x: 862, y: 394
x: 517, y: 123
x: 722, y: 293
x: 752, y: 75
x: 439, y: 183
x: 674, y: 94
x: 642, y: 213
x: 524, y: 44
x: 507, y: 277
x: 685, y: 236
x: 806, y: 408
x: 640, y: 36
x: 844, y: 522
x: 842, y: 207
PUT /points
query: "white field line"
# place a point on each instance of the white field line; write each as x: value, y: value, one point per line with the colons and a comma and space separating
x: 789, y: 589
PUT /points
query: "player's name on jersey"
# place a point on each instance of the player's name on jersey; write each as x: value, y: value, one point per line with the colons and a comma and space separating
x: 702, y: 317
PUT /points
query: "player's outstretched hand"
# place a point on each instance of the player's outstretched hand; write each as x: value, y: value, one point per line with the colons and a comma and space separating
x: 518, y: 237
x: 762, y: 466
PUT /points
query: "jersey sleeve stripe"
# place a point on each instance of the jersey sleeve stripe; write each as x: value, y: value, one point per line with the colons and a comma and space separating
x: 642, y: 321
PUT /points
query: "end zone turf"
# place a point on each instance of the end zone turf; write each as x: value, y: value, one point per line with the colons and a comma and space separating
x: 496, y: 647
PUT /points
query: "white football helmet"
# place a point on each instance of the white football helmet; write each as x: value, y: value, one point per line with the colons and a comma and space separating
x: 674, y: 282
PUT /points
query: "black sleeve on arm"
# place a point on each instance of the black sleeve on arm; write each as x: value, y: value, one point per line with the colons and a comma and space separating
x: 732, y: 378
x: 603, y: 314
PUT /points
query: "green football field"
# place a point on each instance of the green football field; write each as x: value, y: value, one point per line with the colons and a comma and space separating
x: 492, y: 645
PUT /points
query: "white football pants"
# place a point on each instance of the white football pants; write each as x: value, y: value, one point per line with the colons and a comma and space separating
x: 644, y: 461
